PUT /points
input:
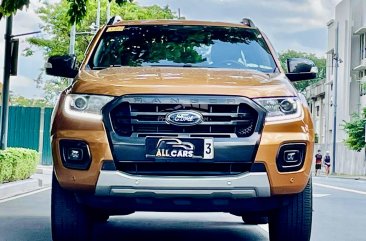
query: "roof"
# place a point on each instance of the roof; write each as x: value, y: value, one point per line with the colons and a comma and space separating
x: 180, y: 22
x: 360, y: 31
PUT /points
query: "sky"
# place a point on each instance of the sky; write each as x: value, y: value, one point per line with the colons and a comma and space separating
x: 290, y: 24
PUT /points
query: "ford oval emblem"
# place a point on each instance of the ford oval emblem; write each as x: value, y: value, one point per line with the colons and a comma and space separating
x: 184, y: 118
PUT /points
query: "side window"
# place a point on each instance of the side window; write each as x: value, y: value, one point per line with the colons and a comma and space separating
x: 98, y: 53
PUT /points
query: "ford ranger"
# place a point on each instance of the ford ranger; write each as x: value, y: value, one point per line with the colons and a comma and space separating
x: 181, y: 116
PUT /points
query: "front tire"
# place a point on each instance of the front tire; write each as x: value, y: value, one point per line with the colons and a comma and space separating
x: 293, y: 221
x: 70, y: 221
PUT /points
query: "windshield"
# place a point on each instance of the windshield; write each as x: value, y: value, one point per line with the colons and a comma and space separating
x: 183, y: 46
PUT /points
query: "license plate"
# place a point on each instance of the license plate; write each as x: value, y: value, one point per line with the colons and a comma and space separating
x: 179, y: 148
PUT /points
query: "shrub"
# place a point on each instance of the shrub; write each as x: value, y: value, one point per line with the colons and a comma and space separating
x: 355, y: 129
x: 17, y: 164
x: 6, y: 167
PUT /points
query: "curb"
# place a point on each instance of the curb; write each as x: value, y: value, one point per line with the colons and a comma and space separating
x: 40, y: 179
x: 44, y: 170
x: 362, y: 178
x: 19, y: 187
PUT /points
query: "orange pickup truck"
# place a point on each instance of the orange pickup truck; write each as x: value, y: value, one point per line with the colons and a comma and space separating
x: 182, y: 116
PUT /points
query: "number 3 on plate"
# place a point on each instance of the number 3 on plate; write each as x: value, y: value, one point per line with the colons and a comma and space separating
x: 208, y: 152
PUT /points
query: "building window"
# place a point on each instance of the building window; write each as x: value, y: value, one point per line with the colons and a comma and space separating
x: 362, y: 46
x: 362, y: 89
x: 317, y: 110
x: 311, y: 107
x: 330, y: 60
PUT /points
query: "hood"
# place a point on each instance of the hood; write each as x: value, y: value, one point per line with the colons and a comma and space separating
x: 168, y: 80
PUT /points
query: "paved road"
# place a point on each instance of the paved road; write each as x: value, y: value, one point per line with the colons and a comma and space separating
x: 339, y: 214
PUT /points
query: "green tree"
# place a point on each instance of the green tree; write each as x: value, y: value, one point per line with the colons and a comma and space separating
x: 52, y: 89
x: 355, y: 130
x: 77, y: 9
x: 319, y: 62
x: 57, y: 28
x: 23, y: 101
x: 9, y: 7
x: 55, y: 18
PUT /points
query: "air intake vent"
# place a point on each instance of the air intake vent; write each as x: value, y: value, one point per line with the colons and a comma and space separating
x: 218, y: 119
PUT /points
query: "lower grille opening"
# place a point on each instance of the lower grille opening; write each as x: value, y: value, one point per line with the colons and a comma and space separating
x: 183, y: 169
x: 190, y: 135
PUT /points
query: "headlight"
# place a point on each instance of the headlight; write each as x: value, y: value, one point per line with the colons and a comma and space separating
x: 86, y: 106
x: 281, y: 108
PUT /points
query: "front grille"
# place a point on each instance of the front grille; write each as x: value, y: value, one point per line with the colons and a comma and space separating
x: 234, y: 122
x: 219, y: 120
x: 183, y: 169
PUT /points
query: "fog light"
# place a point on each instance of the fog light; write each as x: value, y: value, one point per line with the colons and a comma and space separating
x: 291, y: 157
x: 75, y: 154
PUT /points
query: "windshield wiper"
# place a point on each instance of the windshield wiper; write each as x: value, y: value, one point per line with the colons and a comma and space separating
x: 98, y: 68
x: 154, y: 65
x: 171, y: 65
x: 179, y: 66
x: 106, y: 67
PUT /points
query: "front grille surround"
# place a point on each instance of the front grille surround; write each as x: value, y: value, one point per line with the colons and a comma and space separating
x: 237, y: 117
x: 224, y: 115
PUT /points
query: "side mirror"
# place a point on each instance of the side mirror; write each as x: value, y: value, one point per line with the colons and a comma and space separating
x: 301, y: 69
x: 62, y: 66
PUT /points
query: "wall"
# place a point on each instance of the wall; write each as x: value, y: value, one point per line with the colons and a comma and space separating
x: 347, y: 162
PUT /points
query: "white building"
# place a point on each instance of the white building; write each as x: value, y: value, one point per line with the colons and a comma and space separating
x: 349, y: 30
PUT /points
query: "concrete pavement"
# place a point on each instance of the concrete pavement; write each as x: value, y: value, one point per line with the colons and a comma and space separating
x: 339, y: 214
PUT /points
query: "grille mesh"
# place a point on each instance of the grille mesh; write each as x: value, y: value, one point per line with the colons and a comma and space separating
x: 219, y: 120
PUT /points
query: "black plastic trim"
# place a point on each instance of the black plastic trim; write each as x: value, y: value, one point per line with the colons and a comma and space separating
x: 108, y: 165
x: 258, y: 167
x: 293, y: 77
x: 301, y: 147
x: 84, y: 164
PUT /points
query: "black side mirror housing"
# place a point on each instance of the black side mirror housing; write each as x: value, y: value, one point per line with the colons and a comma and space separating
x: 62, y: 66
x: 301, y: 69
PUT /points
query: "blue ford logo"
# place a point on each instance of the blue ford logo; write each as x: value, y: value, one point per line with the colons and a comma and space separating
x: 184, y: 118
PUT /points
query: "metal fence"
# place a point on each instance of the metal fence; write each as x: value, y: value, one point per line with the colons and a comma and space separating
x: 29, y: 127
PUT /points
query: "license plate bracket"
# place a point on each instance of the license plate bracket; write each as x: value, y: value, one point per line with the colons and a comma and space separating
x: 167, y: 148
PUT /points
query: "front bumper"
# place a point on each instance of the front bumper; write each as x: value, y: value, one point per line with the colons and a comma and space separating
x: 93, y: 132
x: 249, y: 185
